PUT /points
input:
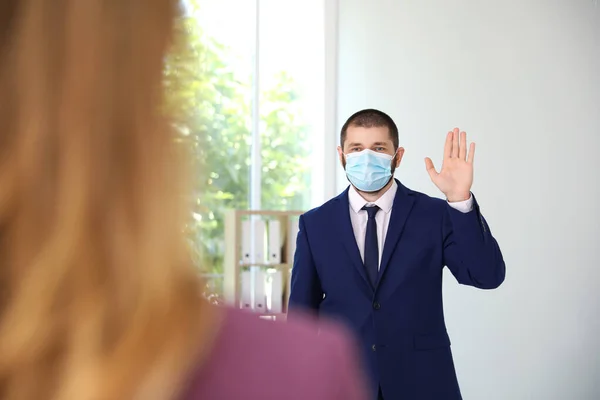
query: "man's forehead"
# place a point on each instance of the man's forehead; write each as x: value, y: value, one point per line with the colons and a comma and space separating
x: 372, y: 131
x: 360, y: 128
x: 371, y: 135
x: 378, y: 143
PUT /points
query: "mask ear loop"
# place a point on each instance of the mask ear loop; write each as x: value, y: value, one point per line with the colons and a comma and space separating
x: 393, y: 165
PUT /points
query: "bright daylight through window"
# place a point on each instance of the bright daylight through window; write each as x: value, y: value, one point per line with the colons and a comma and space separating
x: 252, y: 96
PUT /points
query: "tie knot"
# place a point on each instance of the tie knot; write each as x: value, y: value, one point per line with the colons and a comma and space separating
x: 371, y: 211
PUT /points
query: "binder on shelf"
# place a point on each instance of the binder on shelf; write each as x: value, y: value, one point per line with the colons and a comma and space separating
x: 274, y: 243
x: 246, y: 290
x: 276, y: 293
x: 258, y: 235
x: 246, y: 242
x: 293, y: 234
x: 260, y: 295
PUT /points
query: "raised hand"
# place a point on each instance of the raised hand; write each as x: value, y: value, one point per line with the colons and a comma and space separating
x: 456, y: 176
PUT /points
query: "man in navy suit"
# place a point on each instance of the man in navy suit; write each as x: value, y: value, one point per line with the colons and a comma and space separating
x: 373, y: 258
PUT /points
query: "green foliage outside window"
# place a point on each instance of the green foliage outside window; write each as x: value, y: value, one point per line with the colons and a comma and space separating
x: 213, y: 117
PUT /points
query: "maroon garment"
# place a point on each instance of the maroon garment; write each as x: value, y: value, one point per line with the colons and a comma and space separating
x: 265, y: 360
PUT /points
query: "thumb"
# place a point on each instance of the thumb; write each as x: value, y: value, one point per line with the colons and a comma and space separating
x: 430, y: 168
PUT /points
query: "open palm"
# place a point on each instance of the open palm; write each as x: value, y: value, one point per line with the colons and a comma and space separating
x: 456, y: 176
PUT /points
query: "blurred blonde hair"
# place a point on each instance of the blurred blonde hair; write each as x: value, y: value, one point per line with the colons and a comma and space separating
x: 97, y: 298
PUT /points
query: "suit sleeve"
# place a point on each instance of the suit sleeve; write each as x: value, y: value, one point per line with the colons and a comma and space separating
x: 470, y: 251
x: 306, y: 293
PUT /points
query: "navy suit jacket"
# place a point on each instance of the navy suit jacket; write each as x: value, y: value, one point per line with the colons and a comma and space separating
x: 399, y: 323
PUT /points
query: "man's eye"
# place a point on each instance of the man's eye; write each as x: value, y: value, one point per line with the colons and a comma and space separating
x: 380, y: 148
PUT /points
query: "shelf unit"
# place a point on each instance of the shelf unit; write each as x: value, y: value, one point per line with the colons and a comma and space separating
x: 233, y: 265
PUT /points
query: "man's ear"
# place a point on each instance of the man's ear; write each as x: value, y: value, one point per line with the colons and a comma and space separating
x: 399, y: 155
x: 341, y: 155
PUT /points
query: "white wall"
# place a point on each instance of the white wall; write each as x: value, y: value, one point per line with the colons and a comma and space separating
x: 523, y: 79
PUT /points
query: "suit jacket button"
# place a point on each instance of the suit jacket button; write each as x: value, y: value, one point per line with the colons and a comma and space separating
x: 376, y: 305
x: 374, y: 348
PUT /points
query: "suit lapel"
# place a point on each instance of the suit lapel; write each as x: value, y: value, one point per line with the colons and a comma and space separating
x: 403, y: 204
x: 346, y: 234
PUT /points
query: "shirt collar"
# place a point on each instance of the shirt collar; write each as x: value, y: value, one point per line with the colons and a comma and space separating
x: 385, y: 202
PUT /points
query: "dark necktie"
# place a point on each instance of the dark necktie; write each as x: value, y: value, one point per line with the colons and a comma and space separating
x: 371, y: 247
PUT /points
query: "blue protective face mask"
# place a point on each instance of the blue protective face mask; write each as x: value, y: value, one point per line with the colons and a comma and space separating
x: 368, y: 170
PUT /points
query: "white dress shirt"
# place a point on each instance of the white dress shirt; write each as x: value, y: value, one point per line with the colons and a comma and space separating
x: 359, y: 217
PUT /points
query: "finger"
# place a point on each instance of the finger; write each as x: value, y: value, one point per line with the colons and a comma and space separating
x: 430, y: 168
x: 455, y: 143
x: 448, y: 146
x: 462, y: 150
x: 471, y: 153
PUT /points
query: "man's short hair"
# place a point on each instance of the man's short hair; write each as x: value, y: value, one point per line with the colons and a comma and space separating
x: 371, y: 118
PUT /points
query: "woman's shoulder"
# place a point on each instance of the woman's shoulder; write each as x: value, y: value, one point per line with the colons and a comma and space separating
x: 303, y: 330
x: 298, y: 359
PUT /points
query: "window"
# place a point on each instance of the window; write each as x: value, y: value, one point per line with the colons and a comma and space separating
x: 252, y: 96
